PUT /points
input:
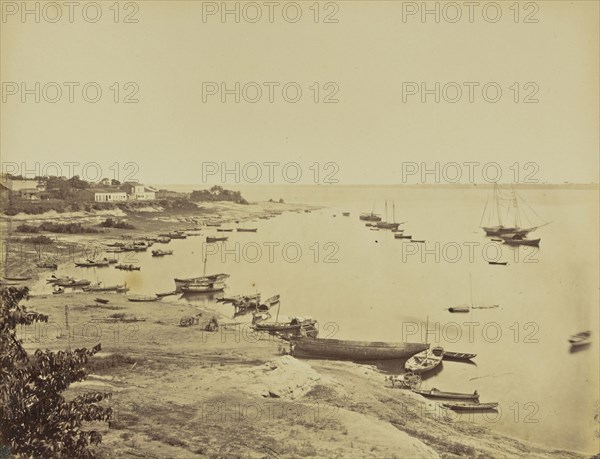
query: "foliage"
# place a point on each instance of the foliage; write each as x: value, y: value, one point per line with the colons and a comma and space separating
x: 217, y: 193
x: 111, y: 223
x: 36, y: 419
x: 70, y: 228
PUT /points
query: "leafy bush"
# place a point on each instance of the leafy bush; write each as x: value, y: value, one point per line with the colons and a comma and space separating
x: 111, y: 223
x: 36, y: 419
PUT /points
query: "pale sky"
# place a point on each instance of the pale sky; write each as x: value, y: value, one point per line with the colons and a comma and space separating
x: 369, y: 55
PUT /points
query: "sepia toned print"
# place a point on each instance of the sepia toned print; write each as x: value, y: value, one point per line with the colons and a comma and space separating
x: 328, y: 229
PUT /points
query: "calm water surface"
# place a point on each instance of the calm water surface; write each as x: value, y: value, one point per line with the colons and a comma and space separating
x: 373, y: 287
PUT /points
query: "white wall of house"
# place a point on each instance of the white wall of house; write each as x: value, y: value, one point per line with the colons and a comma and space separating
x: 143, y: 196
x: 110, y: 197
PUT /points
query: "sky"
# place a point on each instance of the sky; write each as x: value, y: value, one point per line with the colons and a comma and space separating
x: 366, y: 112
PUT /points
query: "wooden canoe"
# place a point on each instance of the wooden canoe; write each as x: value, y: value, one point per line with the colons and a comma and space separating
x: 436, y: 393
x: 465, y: 406
x: 458, y: 356
x: 335, y: 349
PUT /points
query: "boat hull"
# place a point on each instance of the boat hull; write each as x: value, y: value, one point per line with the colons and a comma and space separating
x: 433, y: 393
x: 323, y: 348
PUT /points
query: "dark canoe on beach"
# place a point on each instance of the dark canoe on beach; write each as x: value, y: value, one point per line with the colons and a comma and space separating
x: 17, y: 278
x: 436, y: 393
x: 458, y: 356
x: 335, y: 349
x: 465, y: 406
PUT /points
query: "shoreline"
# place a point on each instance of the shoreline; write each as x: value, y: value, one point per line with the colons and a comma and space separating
x: 238, y: 386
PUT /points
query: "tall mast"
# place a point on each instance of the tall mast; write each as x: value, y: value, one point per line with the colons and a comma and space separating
x: 386, y: 219
x: 497, y: 203
x: 471, y: 289
x: 205, y: 257
x: 516, y: 205
x: 394, y: 211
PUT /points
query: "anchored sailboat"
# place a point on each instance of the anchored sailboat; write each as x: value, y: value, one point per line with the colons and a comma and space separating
x: 389, y: 225
x: 202, y: 284
x: 370, y: 217
x: 510, y: 204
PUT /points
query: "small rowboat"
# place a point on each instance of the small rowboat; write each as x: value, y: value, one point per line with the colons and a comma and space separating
x: 161, y: 253
x: 346, y: 214
x: 497, y: 240
x: 160, y: 295
x: 101, y: 300
x: 225, y: 230
x: 213, y: 224
x: 418, y: 240
x: 17, y: 278
x: 128, y: 267
x: 92, y: 263
x: 247, y: 230
x: 459, y: 309
x: 426, y: 360
x: 73, y: 283
x: 203, y: 287
x: 465, y: 406
x: 210, y: 239
x: 498, y: 263
x: 47, y: 265
x: 402, y: 236
x: 458, y: 356
x: 581, y: 339
x: 143, y: 299
x: 436, y: 393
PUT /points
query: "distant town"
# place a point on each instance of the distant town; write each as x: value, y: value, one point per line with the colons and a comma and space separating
x: 40, y: 194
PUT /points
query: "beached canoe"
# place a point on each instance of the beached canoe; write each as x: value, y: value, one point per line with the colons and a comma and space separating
x: 466, y: 406
x: 335, y: 349
x: 436, y: 393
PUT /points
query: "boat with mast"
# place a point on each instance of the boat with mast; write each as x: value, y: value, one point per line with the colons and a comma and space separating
x: 370, y: 216
x: 510, y: 203
x: 389, y: 225
x: 202, y: 284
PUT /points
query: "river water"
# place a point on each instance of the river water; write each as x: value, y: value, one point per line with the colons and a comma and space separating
x: 366, y: 285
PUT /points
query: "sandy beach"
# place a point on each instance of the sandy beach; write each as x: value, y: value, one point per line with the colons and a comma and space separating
x: 185, y: 392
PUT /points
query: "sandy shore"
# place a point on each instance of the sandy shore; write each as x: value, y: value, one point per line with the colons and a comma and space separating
x: 186, y: 392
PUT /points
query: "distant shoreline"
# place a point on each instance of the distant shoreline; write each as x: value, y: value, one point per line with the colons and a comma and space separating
x: 558, y: 186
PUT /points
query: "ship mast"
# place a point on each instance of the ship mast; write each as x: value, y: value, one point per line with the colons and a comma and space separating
x: 497, y: 200
x: 205, y: 258
x: 394, y: 211
x: 516, y: 205
x: 386, y: 213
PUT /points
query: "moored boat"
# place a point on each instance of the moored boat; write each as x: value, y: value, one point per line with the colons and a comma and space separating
x: 101, y: 300
x: 73, y: 283
x: 581, y: 339
x: 326, y: 348
x: 225, y: 230
x: 517, y: 239
x: 247, y: 230
x: 127, y: 267
x: 203, y: 287
x: 92, y: 263
x: 458, y: 356
x: 466, y: 406
x: 142, y: 298
x: 498, y: 263
x: 17, y: 278
x: 459, y: 309
x: 210, y: 239
x: 99, y: 287
x: 346, y: 214
x: 425, y: 360
x: 161, y: 253
x: 436, y: 393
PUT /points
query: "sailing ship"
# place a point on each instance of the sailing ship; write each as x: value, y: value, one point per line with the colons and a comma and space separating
x: 389, y: 225
x: 370, y: 216
x: 511, y: 205
x: 201, y: 284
